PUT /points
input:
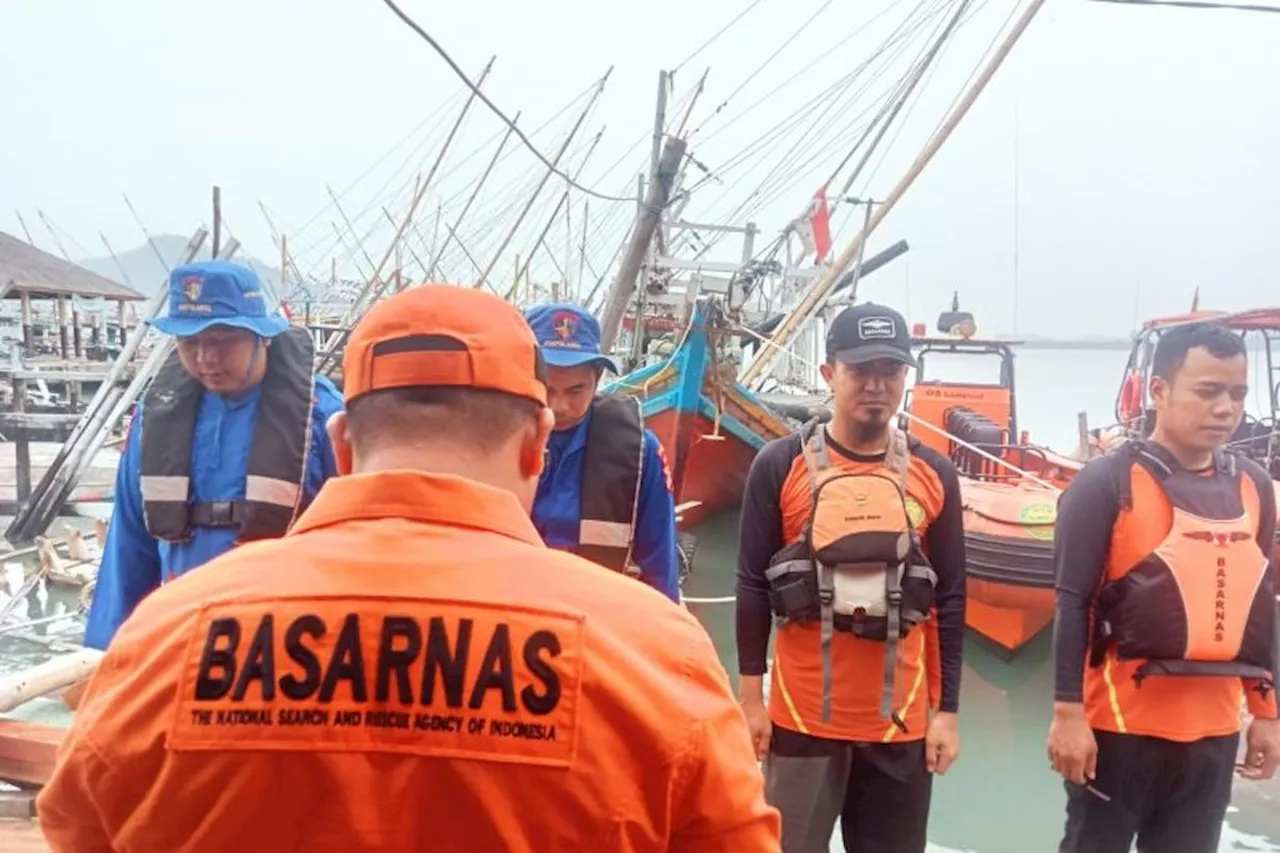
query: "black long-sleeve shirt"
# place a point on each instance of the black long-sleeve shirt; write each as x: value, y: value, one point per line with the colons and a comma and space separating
x: 1087, y: 519
x: 934, y: 486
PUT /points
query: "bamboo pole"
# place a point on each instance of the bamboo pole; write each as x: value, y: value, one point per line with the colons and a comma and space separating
x: 564, y: 200
x: 44, y: 678
x: 439, y: 251
x: 375, y: 286
x: 484, y: 276
x: 413, y: 254
x: 217, y: 221
x: 351, y: 228
x: 816, y: 297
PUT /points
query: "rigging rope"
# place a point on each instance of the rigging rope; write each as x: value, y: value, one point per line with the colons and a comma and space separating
x: 1195, y: 4
x: 795, y: 164
x: 495, y: 110
x: 719, y: 33
x: 401, y: 197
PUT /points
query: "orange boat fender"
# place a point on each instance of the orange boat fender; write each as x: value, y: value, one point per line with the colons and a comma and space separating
x: 1131, y: 397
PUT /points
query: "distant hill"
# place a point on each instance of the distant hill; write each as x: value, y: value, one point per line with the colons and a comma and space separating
x: 143, y: 271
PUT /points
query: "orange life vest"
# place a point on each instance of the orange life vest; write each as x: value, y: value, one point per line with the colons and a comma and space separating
x: 1202, y: 602
x: 859, y: 567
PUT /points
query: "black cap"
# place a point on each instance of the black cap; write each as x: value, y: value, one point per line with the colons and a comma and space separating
x: 866, y: 332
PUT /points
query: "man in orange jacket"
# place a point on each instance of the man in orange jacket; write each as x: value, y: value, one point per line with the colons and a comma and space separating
x: 410, y: 667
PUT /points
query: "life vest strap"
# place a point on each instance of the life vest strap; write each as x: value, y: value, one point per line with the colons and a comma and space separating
x: 826, y: 602
x: 612, y: 469
x: 893, y: 597
x: 897, y: 458
x: 217, y: 513
x: 1204, y: 668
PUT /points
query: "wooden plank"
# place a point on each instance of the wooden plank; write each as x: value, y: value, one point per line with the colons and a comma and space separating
x: 35, y: 420
x: 28, y: 751
x: 66, y: 375
x: 22, y: 836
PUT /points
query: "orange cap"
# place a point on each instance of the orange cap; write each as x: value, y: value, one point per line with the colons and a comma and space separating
x: 439, y: 334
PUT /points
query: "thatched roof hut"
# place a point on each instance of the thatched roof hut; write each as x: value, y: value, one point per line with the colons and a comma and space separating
x: 40, y: 275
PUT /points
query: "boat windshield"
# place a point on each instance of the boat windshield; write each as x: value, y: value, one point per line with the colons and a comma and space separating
x: 960, y: 368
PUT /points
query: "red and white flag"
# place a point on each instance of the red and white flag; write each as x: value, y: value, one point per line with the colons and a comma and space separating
x: 814, y: 226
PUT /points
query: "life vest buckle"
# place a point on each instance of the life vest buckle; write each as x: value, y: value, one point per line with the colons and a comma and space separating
x: 827, y: 596
x: 222, y: 513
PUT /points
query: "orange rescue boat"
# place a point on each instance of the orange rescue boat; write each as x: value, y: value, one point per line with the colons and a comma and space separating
x: 1009, y: 509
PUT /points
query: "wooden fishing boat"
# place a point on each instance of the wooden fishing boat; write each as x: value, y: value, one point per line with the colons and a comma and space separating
x: 1009, y: 508
x: 710, y: 426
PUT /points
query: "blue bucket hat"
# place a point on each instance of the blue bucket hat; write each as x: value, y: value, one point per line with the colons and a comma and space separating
x: 568, y: 336
x: 217, y: 293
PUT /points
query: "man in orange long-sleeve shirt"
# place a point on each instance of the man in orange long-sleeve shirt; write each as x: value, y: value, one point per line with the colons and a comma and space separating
x: 410, y: 667
x: 1166, y: 615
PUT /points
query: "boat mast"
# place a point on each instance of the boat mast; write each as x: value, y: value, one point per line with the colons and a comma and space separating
x: 650, y: 204
x: 434, y: 263
x: 327, y: 360
x: 817, y: 295
x: 659, y: 235
x: 483, y: 279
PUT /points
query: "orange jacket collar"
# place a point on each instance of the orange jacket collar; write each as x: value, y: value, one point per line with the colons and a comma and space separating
x: 418, y: 496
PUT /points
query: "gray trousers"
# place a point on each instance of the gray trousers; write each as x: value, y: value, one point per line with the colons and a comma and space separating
x: 880, y: 792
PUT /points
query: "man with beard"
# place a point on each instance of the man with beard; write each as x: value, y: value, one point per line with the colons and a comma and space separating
x: 851, y: 537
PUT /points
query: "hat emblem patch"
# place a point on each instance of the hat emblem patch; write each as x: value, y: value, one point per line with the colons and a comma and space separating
x: 565, y: 325
x: 191, y: 287
x: 877, y: 328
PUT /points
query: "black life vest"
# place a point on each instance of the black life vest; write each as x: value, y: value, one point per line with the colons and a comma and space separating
x: 277, y: 457
x: 1203, y: 601
x: 859, y: 566
x: 611, y: 469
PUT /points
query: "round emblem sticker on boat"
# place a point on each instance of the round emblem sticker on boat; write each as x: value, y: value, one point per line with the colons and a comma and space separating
x: 915, y: 512
x: 1039, y: 519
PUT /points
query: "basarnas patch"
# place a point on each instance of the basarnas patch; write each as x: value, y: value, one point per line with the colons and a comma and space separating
x: 428, y: 677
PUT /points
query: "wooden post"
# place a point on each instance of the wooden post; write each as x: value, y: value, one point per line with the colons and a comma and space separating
x: 654, y: 202
x: 217, y: 221
x: 21, y: 445
x: 1082, y: 427
x: 120, y: 320
x: 28, y: 334
x: 77, y: 343
x: 63, y: 346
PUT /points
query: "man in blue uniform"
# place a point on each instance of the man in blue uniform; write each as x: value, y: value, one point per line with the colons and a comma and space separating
x: 605, y: 493
x: 227, y: 445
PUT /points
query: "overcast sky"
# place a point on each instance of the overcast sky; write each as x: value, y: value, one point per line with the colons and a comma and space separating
x: 1142, y: 141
